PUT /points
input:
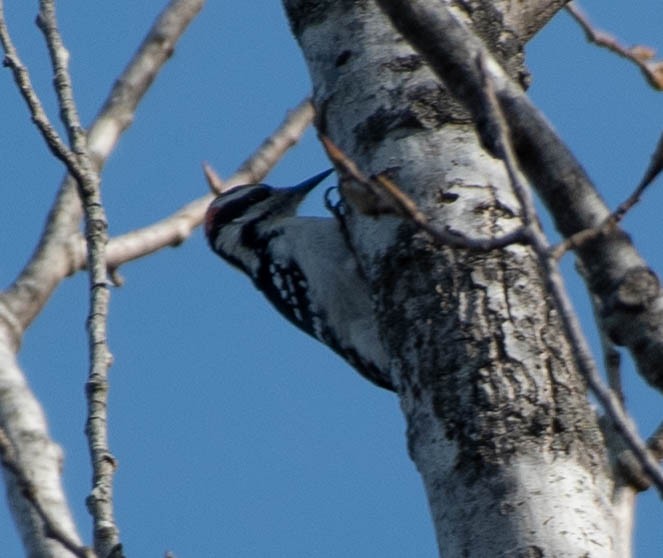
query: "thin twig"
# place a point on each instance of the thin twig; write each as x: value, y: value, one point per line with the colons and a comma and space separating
x: 216, y: 185
x: 610, y: 402
x: 609, y: 223
x: 39, y: 117
x: 46, y: 21
x: 386, y: 197
x: 176, y: 228
x: 51, y: 261
x: 640, y: 55
x: 448, y: 45
x: 51, y: 526
x: 612, y: 358
x: 631, y: 467
x: 100, y: 501
x: 655, y: 442
x: 653, y: 170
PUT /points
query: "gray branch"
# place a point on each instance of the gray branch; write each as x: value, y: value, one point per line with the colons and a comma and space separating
x: 21, y: 417
x: 629, y: 291
x: 100, y: 501
x: 51, y: 262
x: 608, y: 398
x: 176, y: 228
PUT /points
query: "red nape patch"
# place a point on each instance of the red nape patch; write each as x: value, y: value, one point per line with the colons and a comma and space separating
x: 209, y: 218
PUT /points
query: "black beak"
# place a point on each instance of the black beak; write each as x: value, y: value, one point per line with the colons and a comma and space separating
x: 308, y: 185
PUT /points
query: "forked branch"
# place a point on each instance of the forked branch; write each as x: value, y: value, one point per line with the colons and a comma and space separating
x: 609, y: 223
x: 50, y: 264
x: 641, y: 56
x: 82, y: 167
x: 610, y: 401
x: 381, y: 195
x: 178, y: 227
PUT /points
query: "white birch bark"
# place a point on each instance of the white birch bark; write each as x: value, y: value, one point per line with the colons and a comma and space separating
x: 23, y: 420
x: 499, y: 426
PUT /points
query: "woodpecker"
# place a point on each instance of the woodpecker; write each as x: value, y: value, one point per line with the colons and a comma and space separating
x: 303, y: 266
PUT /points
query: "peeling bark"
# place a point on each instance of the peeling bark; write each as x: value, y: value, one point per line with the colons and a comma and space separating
x: 499, y: 426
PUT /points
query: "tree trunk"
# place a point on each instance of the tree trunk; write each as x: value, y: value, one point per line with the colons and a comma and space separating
x: 499, y: 425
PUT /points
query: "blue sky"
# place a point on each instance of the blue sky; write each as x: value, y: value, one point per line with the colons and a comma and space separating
x: 236, y: 434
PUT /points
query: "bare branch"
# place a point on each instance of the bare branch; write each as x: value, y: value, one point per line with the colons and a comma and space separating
x: 655, y: 442
x: 283, y: 138
x: 613, y: 265
x: 653, y: 170
x: 62, y: 80
x: 100, y: 501
x: 52, y: 260
x: 631, y: 467
x: 52, y: 527
x: 585, y: 361
x: 612, y: 359
x: 24, y: 423
x: 382, y: 196
x: 640, y: 55
x: 176, y: 228
x: 450, y: 48
x: 213, y: 179
x: 39, y: 117
x: 581, y: 237
x: 48, y: 266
